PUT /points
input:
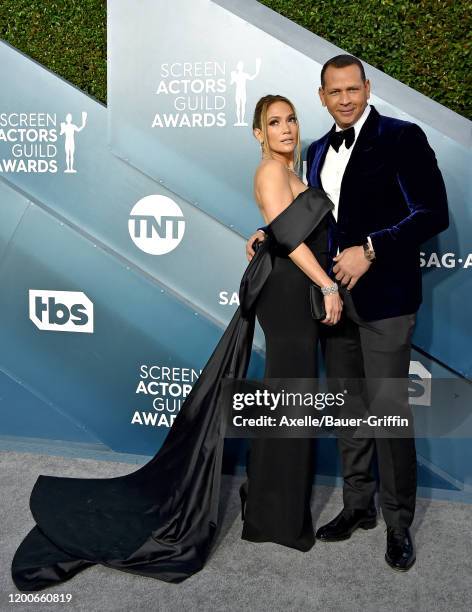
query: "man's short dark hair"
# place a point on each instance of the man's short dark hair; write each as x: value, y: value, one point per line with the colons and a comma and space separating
x: 341, y: 61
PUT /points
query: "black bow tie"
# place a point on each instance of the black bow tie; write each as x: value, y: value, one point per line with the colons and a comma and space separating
x: 337, y: 138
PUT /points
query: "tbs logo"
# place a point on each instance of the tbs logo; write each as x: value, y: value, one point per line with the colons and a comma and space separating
x: 69, y: 311
x: 156, y: 224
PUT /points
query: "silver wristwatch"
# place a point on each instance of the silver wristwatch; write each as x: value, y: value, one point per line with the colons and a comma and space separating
x: 369, y: 252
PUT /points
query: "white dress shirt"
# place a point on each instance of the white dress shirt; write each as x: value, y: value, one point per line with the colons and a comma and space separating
x: 335, y: 164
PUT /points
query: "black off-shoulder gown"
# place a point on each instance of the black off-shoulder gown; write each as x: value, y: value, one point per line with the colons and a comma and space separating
x: 280, y: 470
x: 161, y: 520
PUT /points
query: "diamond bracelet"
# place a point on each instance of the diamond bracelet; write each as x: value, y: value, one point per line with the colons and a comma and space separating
x: 330, y: 289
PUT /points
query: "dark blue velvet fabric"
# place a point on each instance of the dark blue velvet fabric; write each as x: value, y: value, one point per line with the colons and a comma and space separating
x: 392, y: 190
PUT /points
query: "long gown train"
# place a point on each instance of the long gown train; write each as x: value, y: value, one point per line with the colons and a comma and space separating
x: 161, y: 520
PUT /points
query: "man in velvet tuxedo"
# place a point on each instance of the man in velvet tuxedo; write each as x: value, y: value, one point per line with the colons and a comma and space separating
x: 389, y: 198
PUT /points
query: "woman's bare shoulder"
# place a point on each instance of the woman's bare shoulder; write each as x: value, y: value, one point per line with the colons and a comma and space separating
x: 272, y: 167
x: 271, y: 180
x: 270, y: 171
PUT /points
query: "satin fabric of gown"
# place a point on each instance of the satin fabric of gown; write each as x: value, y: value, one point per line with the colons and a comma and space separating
x: 161, y: 520
x: 280, y: 470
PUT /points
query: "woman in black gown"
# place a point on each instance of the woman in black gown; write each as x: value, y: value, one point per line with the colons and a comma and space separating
x: 276, y: 495
x: 161, y: 520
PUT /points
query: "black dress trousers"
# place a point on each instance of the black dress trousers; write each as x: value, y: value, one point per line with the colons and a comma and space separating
x: 380, y: 349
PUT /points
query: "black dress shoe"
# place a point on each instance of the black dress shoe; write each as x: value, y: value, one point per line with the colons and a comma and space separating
x: 400, y: 553
x: 344, y: 525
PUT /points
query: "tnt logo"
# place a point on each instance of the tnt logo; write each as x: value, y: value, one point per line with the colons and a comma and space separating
x: 69, y: 311
x: 419, y: 387
x: 156, y: 224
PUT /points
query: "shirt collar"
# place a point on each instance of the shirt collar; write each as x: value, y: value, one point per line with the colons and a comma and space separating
x: 359, y: 123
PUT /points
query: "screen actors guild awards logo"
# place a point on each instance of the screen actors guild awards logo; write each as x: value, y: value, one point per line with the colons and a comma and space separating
x: 29, y: 142
x: 199, y: 94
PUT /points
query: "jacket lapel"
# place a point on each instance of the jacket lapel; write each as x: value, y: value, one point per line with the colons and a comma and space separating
x: 318, y: 160
x: 363, y: 145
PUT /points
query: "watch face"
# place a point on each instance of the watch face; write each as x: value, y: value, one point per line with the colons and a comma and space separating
x: 368, y: 252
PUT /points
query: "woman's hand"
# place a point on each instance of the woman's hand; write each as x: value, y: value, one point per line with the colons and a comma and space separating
x: 258, y: 236
x: 333, y: 306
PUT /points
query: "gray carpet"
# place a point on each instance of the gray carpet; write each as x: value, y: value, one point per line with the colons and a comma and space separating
x: 240, y: 575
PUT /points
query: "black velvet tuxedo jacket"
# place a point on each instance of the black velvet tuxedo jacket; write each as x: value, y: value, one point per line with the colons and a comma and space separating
x: 393, y: 191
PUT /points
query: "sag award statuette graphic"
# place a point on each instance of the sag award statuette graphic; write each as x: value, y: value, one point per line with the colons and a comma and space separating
x: 240, y: 78
x: 68, y: 129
